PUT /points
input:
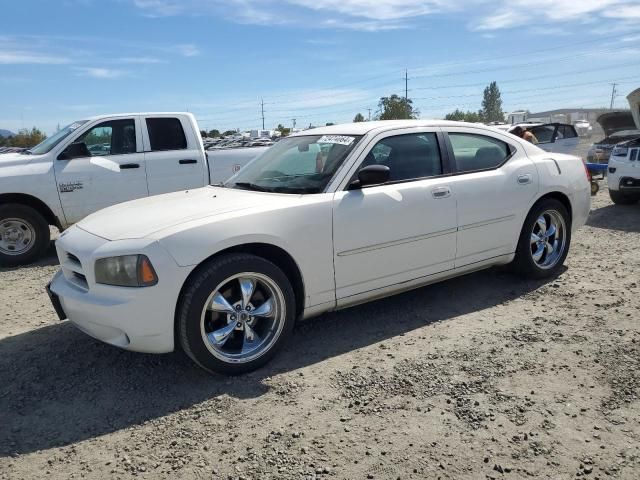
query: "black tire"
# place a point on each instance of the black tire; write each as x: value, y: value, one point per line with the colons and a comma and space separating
x: 39, y: 229
x: 524, y: 264
x: 200, y: 287
x: 620, y: 198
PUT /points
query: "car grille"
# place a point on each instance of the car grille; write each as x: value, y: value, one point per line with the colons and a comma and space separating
x: 73, y: 270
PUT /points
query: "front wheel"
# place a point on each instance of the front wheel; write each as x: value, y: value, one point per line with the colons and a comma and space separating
x: 544, y: 240
x: 620, y: 198
x: 24, y: 234
x: 235, y: 313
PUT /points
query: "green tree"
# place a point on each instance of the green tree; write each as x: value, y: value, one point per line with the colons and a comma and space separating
x: 461, y: 116
x: 229, y: 132
x: 26, y: 138
x: 284, y: 131
x: 328, y: 124
x: 203, y: 133
x: 396, y: 108
x: 492, y: 104
x: 358, y: 118
x: 214, y: 133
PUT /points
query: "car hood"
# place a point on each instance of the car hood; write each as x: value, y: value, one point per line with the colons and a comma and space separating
x: 143, y: 217
x: 613, y: 122
x: 634, y: 102
x: 13, y: 159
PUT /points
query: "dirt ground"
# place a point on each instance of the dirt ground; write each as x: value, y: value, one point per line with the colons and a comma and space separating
x: 484, y: 376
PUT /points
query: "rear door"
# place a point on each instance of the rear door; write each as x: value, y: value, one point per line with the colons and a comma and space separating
x: 173, y: 154
x: 113, y: 170
x: 494, y: 186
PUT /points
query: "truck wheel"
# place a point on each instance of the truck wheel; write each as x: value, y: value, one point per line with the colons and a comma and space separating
x: 235, y: 313
x: 24, y: 234
x: 544, y: 240
x: 620, y: 198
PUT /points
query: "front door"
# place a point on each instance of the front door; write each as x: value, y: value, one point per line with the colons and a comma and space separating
x: 113, y: 170
x: 400, y: 231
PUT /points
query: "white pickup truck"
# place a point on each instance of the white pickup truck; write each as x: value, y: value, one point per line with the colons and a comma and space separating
x: 98, y: 162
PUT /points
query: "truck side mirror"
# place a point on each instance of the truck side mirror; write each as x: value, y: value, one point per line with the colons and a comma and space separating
x: 75, y: 150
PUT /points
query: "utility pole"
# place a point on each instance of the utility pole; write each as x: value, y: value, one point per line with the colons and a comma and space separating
x: 406, y: 85
x: 293, y: 120
x: 369, y: 113
x: 262, y: 110
x: 613, y: 95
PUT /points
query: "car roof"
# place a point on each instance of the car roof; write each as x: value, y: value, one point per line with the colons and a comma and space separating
x: 112, y: 115
x: 362, y: 128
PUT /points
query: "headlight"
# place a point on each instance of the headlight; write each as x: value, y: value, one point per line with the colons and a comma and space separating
x: 126, y: 271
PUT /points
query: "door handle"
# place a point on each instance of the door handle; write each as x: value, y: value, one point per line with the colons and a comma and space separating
x: 128, y: 166
x: 187, y: 161
x: 525, y: 179
x: 441, y: 192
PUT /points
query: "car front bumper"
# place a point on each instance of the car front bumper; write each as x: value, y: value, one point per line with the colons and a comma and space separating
x: 137, y: 319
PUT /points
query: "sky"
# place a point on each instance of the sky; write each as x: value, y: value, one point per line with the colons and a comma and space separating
x: 315, y: 61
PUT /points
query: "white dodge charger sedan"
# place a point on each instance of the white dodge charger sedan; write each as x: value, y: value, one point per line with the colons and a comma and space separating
x: 324, y: 219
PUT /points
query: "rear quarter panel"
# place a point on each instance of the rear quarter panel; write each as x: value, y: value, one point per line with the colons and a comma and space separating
x: 566, y: 174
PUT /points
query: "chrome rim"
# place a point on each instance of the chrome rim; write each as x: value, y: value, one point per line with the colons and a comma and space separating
x: 17, y: 236
x: 548, y: 239
x: 243, y: 317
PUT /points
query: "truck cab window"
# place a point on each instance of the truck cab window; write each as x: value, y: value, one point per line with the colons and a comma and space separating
x: 166, y: 134
x: 115, y: 137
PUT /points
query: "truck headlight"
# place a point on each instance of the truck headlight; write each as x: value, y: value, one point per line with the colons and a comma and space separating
x: 126, y: 271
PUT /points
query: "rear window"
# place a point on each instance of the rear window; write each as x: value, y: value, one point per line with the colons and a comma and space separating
x: 166, y: 134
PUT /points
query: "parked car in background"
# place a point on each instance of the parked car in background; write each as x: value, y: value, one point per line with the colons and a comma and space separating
x: 98, y: 162
x: 624, y: 162
x: 618, y: 127
x: 325, y: 219
x: 584, y: 128
x: 554, y: 137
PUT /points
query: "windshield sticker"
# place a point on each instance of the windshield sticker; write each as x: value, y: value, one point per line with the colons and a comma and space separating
x: 337, y: 139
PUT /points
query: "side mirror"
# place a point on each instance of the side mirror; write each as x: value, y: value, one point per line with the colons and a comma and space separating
x: 371, y: 175
x: 75, y: 150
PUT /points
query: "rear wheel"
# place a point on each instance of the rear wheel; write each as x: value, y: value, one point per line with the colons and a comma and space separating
x: 544, y: 240
x: 620, y: 198
x: 235, y: 314
x: 24, y: 234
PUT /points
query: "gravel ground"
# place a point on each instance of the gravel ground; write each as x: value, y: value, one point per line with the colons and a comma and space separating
x: 484, y: 376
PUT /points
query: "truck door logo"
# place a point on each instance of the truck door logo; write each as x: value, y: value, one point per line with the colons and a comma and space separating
x: 70, y: 187
x: 236, y: 168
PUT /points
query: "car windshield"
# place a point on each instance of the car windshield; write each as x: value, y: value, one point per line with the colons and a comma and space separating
x: 50, y: 142
x: 301, y: 164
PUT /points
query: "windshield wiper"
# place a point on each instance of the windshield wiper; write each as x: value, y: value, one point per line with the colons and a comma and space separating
x: 26, y: 152
x: 252, y: 186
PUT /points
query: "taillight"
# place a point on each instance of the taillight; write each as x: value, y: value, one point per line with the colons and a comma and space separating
x: 586, y: 171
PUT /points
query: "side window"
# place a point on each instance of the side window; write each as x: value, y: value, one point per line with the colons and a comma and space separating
x: 567, y: 131
x: 478, y: 152
x: 544, y: 133
x: 115, y: 137
x: 166, y: 134
x: 408, y: 157
x: 634, y: 154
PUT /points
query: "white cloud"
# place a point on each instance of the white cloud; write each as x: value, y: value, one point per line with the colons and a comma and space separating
x: 17, y: 57
x: 140, y: 60
x: 186, y: 50
x: 99, y: 72
x: 376, y: 15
